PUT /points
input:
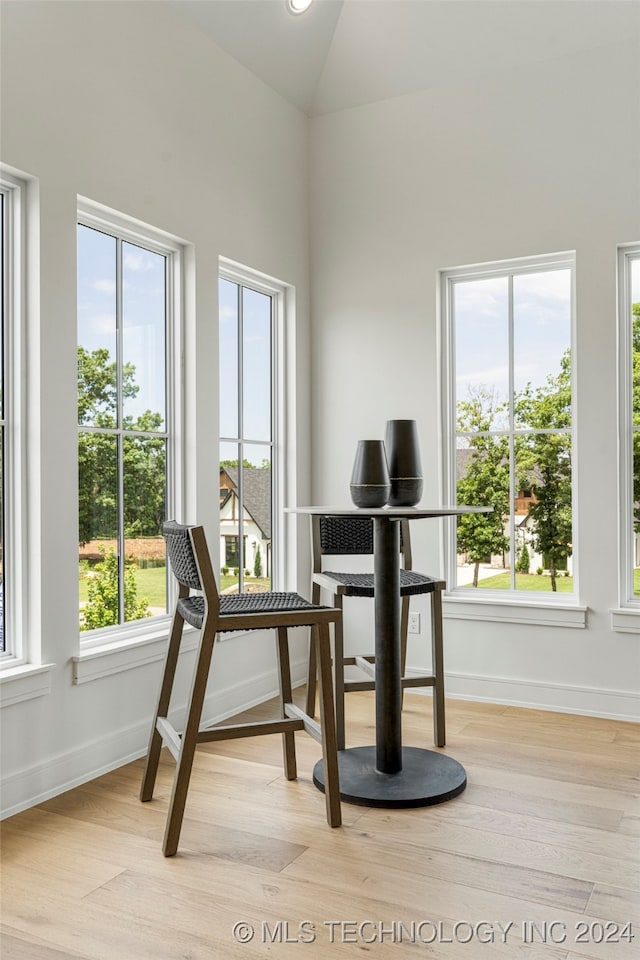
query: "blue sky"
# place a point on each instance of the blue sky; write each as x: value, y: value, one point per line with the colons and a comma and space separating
x: 143, y: 311
x: 541, y: 331
x: 256, y: 358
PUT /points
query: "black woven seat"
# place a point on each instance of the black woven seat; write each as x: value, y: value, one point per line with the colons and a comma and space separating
x: 361, y: 584
x: 193, y: 608
x: 212, y: 614
x: 353, y: 536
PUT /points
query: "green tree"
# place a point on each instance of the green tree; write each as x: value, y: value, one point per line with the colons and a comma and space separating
x: 544, y: 463
x: 144, y: 457
x: 257, y: 564
x: 485, y: 481
x: 102, y: 607
x: 524, y: 561
x: 636, y: 414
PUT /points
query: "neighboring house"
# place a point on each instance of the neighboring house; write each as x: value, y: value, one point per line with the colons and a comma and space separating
x: 256, y: 519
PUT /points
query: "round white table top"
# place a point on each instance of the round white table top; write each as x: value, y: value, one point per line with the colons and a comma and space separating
x: 399, y: 513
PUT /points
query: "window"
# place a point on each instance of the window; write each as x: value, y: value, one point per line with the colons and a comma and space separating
x: 128, y: 278
x: 507, y: 334
x: 13, y: 196
x: 629, y: 341
x: 249, y: 307
x: 3, y: 412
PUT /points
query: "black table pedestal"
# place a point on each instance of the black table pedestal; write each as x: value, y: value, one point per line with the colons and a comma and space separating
x: 426, y: 778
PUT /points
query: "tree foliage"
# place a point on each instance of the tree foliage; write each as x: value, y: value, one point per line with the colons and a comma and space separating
x: 485, y: 481
x: 102, y: 607
x: 144, y: 457
x: 543, y: 463
x: 636, y: 414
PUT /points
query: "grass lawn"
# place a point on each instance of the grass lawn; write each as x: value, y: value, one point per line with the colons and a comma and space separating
x: 527, y: 581
x: 151, y: 583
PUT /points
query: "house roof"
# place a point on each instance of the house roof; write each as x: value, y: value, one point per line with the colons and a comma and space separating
x: 256, y: 491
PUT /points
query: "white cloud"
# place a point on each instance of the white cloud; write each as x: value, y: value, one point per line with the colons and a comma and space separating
x: 139, y: 261
x: 104, y: 286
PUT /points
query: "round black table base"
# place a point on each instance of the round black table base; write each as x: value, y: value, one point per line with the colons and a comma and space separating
x: 426, y: 778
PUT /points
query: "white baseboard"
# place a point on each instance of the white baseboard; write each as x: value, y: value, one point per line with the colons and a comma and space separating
x: 42, y: 781
x: 534, y: 694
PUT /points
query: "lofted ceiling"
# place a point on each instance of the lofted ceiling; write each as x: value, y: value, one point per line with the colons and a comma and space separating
x: 346, y: 53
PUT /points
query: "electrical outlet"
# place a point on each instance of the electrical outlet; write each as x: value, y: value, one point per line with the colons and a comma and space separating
x: 414, y: 623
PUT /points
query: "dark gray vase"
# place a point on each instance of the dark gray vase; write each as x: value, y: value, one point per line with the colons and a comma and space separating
x: 405, y: 467
x: 370, y: 485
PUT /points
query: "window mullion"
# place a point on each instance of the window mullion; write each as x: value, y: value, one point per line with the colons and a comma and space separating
x: 512, y: 450
x: 241, y: 438
x: 120, y: 427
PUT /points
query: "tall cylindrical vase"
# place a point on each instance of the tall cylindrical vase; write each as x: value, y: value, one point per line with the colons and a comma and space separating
x: 370, y: 486
x: 405, y: 467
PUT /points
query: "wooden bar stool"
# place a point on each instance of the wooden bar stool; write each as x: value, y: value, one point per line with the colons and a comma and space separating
x: 212, y: 614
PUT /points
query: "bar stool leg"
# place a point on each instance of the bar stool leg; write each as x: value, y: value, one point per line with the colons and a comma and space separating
x: 286, y: 696
x: 328, y: 726
x: 312, y: 669
x: 338, y: 676
x: 155, y: 742
x: 438, y: 669
x: 189, y: 742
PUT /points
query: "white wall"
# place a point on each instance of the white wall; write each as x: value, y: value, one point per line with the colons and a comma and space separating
x: 537, y: 160
x: 126, y: 104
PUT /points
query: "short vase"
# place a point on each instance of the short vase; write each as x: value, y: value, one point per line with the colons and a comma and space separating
x: 370, y: 485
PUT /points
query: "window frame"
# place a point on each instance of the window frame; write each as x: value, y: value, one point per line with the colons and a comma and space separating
x: 512, y: 605
x: 127, y: 229
x: 19, y: 645
x: 624, y: 619
x: 246, y: 277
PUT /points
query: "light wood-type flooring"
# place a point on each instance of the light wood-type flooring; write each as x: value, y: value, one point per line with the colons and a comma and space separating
x: 539, y: 859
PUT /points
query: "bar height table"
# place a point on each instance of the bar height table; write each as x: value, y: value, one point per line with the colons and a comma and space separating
x: 388, y: 774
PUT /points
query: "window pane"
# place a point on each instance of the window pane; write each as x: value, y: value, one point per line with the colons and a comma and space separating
x: 543, y: 513
x: 2, y: 576
x: 635, y: 328
x: 257, y: 516
x: 97, y: 377
x: 256, y: 365
x: 2, y: 415
x: 542, y: 339
x: 98, y: 516
x: 145, y: 587
x: 230, y: 562
x: 482, y: 465
x: 480, y: 310
x: 228, y: 307
x: 143, y: 338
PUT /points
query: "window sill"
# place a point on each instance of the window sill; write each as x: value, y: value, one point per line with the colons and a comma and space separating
x: 25, y: 682
x: 117, y: 655
x: 550, y: 614
x: 625, y: 620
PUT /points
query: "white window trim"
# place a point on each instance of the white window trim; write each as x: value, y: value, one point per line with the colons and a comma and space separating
x: 22, y: 658
x: 626, y: 618
x: 117, y: 645
x: 510, y: 606
x: 237, y: 273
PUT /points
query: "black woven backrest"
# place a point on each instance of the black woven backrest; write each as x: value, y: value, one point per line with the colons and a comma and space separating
x: 341, y: 536
x: 346, y: 535
x: 180, y: 554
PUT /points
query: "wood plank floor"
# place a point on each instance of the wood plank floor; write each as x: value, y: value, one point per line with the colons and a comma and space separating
x: 538, y: 859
